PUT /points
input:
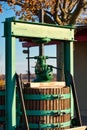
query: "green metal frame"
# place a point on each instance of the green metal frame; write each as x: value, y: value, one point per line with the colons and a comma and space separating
x: 14, y: 29
x: 48, y: 126
x: 10, y: 77
x: 46, y: 97
x: 45, y: 112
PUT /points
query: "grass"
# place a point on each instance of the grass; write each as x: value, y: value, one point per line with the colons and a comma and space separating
x: 2, y: 82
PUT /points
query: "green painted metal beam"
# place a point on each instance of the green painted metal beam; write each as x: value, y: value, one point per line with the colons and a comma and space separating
x: 48, y: 126
x: 46, y: 97
x: 47, y: 112
x: 10, y: 78
x: 27, y: 29
x: 41, y: 31
x: 40, y: 23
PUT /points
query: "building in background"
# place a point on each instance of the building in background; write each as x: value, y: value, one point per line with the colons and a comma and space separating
x: 80, y: 69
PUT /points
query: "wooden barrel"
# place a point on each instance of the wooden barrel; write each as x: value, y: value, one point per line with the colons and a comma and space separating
x: 47, y: 106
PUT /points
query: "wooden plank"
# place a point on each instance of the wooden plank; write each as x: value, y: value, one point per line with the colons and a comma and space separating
x: 78, y: 128
x: 45, y: 84
x: 20, y: 92
x: 20, y: 29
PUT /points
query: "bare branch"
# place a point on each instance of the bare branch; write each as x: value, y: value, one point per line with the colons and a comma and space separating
x: 19, y: 3
x: 64, y: 4
x: 3, y: 0
x: 48, y: 19
x: 56, y: 18
x: 61, y: 11
x: 85, y: 4
x: 72, y: 5
x: 46, y: 11
x: 76, y: 12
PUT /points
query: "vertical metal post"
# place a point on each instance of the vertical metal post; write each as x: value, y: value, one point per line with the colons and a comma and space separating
x: 41, y: 49
x: 10, y: 78
x: 69, y: 67
x: 28, y: 65
x: 41, y: 19
x: 68, y: 59
x: 60, y: 59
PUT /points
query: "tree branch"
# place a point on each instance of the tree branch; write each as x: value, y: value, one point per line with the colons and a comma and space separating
x: 76, y: 12
x: 48, y: 19
x: 72, y: 5
x: 55, y: 15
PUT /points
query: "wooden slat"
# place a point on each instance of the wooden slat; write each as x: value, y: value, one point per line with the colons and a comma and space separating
x: 45, y: 84
x: 47, y: 88
x: 78, y: 128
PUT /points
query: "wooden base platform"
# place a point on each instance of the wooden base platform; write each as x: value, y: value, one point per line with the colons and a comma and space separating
x: 78, y: 128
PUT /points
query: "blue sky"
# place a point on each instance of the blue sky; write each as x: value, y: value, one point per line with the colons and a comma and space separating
x: 21, y: 62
